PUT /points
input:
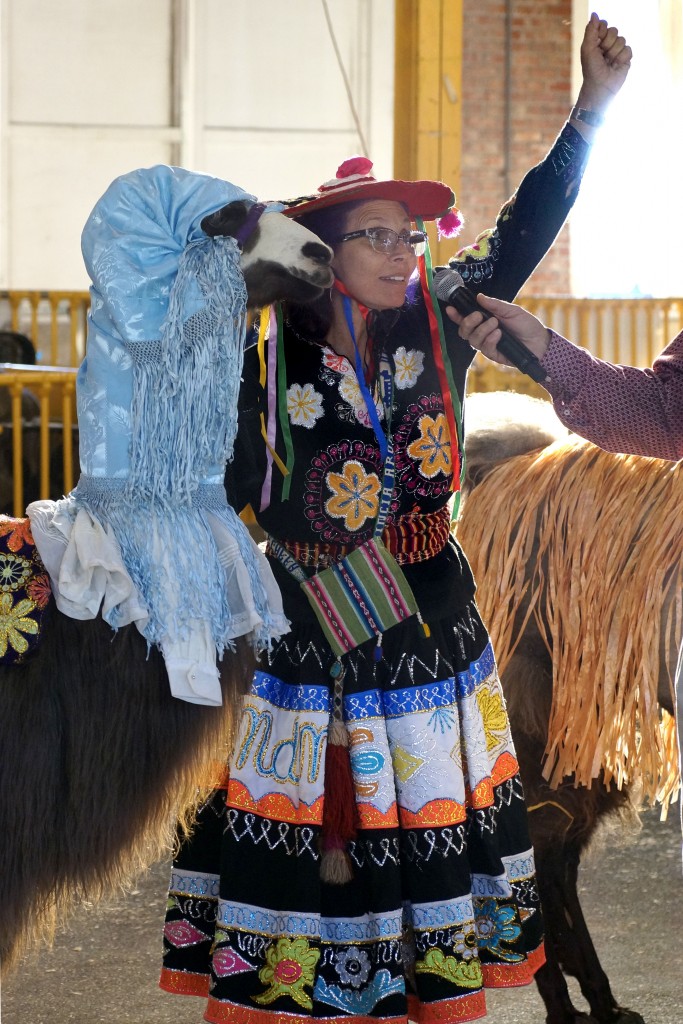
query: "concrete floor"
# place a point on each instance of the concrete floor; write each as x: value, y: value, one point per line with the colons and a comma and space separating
x: 105, y: 966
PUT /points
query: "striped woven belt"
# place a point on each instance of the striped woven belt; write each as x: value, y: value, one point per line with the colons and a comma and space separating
x: 412, y: 538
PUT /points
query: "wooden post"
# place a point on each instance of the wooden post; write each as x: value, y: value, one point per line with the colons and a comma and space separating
x: 427, y: 97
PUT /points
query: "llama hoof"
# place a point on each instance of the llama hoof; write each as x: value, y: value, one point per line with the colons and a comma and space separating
x: 623, y: 1016
x: 572, y: 1016
x: 618, y: 1016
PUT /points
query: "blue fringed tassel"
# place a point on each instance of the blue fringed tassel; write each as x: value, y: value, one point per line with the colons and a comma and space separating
x: 186, y: 390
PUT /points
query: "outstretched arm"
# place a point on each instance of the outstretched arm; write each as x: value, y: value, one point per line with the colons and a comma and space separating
x: 503, y: 257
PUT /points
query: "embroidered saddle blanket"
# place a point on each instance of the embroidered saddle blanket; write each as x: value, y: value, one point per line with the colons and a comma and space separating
x: 25, y: 592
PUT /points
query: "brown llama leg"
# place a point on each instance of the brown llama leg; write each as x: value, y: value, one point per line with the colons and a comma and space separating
x: 561, y: 823
x: 580, y: 958
x: 548, y: 826
x: 569, y: 947
x: 553, y: 991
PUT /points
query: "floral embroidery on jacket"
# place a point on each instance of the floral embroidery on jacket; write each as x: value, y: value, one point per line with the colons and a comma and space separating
x: 476, y: 262
x: 329, y: 524
x: 355, y: 495
x: 433, y: 447
x: 412, y: 450
x: 409, y: 365
x: 350, y: 391
x: 333, y: 361
x: 304, y: 405
x: 479, y: 249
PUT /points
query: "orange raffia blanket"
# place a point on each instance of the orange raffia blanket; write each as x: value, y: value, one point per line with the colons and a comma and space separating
x: 591, y: 545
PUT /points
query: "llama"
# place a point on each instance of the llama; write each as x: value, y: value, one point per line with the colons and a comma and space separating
x: 99, y: 760
x: 576, y: 553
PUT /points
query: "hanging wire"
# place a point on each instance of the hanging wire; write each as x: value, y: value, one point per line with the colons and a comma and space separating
x: 345, y: 77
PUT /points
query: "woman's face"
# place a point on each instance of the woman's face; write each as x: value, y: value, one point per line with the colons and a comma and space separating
x: 377, y: 280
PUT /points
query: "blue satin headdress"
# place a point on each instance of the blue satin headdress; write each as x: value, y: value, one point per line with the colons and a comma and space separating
x: 157, y: 407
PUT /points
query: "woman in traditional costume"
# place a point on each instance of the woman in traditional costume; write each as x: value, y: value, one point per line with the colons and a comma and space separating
x: 366, y: 855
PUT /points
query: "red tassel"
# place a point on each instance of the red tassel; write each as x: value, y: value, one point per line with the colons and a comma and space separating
x: 340, y: 815
x: 339, y: 810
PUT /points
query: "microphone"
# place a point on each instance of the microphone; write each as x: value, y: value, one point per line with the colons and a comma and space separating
x: 451, y: 290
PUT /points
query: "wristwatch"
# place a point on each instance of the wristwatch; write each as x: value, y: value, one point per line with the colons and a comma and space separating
x: 591, y: 117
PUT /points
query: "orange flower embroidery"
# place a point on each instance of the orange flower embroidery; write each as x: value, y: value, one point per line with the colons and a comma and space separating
x: 39, y: 589
x: 355, y: 495
x: 19, y: 531
x: 433, y: 447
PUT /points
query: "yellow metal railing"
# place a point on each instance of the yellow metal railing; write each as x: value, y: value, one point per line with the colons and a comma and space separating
x: 55, y: 321
x: 44, y: 383
x: 631, y: 331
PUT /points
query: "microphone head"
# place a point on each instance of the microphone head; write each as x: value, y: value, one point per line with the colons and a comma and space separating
x: 446, y: 282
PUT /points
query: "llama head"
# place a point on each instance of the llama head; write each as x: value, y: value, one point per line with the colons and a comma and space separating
x: 174, y: 257
x: 280, y: 259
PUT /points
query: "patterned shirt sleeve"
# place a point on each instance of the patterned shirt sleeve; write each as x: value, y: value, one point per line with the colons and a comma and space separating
x: 619, y: 408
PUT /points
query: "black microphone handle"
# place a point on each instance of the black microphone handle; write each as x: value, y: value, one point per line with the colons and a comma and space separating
x: 518, y: 354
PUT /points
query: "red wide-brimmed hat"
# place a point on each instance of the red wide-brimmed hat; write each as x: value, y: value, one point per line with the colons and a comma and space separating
x: 429, y: 200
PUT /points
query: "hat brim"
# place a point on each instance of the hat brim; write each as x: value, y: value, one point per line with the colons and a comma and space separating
x: 425, y: 199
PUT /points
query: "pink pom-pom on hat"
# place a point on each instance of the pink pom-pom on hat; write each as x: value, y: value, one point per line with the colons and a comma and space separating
x: 449, y: 226
x: 354, y: 165
x: 354, y: 181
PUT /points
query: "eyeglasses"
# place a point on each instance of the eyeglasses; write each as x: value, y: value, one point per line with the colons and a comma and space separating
x: 386, y: 240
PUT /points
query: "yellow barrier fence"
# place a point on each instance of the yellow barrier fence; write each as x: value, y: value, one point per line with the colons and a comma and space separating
x: 629, y: 331
x: 36, y: 451
x: 38, y: 440
x: 55, y: 321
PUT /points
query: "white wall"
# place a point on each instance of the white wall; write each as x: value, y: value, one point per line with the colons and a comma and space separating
x: 627, y: 223
x: 249, y: 91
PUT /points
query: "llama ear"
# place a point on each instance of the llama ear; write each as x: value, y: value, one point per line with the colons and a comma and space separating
x: 226, y: 221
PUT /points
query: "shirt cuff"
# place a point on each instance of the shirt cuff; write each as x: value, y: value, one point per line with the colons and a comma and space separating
x: 567, y: 367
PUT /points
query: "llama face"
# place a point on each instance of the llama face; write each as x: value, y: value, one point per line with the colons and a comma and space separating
x: 284, y: 260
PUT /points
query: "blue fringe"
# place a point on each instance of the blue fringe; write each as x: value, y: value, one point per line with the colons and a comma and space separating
x: 195, y: 588
x: 185, y: 395
x: 185, y: 398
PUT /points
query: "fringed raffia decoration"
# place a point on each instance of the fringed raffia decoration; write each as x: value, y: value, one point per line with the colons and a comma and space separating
x: 590, y: 544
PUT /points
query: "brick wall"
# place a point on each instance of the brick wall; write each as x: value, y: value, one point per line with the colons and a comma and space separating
x: 503, y: 137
